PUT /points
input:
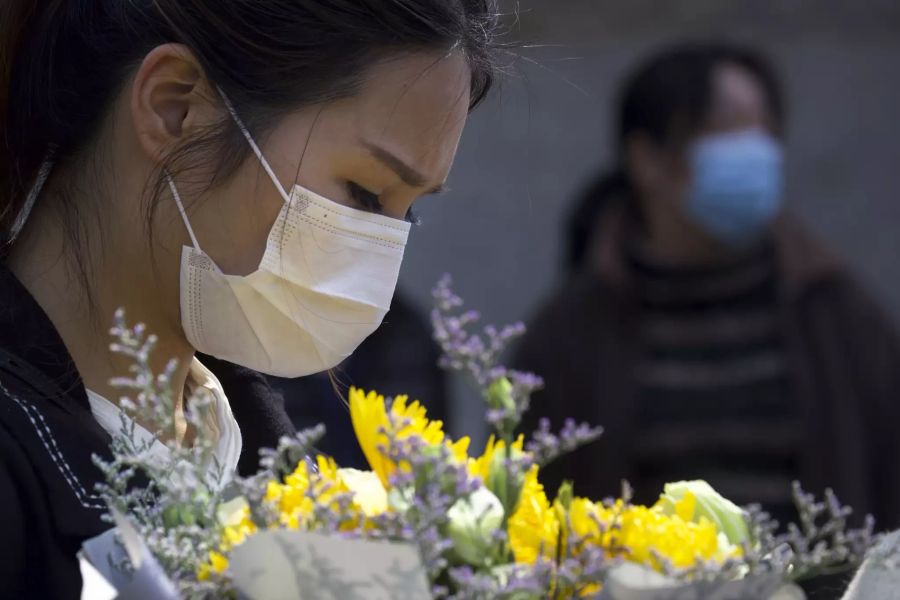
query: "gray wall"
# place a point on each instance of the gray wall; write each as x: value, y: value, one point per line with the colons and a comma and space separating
x: 535, y: 144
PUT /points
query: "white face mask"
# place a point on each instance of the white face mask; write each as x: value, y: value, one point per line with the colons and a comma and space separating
x: 324, y: 284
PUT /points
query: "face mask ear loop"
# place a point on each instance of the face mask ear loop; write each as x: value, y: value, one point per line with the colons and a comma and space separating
x: 184, y: 217
x: 33, y: 194
x: 256, y: 150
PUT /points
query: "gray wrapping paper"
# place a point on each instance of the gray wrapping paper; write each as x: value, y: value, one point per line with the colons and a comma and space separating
x: 292, y: 565
x: 879, y: 576
x: 633, y: 582
x: 147, y: 582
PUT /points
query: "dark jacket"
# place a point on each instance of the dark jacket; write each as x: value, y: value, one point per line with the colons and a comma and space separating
x: 47, y: 438
x: 844, y: 371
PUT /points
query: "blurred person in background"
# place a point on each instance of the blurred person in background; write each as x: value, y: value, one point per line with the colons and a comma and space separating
x: 702, y: 326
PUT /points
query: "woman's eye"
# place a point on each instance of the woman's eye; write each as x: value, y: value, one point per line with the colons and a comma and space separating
x: 369, y: 201
x: 364, y: 198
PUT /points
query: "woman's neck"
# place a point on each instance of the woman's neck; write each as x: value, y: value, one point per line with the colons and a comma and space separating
x: 666, y: 236
x: 80, y: 288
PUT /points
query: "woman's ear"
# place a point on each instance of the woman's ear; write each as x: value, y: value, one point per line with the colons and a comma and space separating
x: 170, y: 98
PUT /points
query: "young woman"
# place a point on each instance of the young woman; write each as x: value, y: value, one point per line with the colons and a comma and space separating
x: 236, y: 175
x: 702, y: 326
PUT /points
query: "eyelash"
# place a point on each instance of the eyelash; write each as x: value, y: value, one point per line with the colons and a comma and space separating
x: 369, y: 201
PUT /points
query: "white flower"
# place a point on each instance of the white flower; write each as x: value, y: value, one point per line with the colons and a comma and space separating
x: 368, y: 492
x: 728, y: 517
x: 473, y: 523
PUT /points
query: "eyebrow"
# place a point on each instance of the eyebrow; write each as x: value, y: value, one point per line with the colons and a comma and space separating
x: 407, y: 173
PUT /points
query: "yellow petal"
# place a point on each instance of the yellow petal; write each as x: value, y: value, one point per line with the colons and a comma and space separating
x: 686, y: 507
x: 460, y: 449
x: 369, y: 416
x: 374, y: 427
x: 534, y: 527
x: 219, y: 562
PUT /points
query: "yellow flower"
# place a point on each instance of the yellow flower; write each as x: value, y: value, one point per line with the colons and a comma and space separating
x: 296, y: 498
x: 481, y: 466
x: 534, y: 526
x: 584, y: 519
x: 234, y: 517
x: 237, y: 526
x: 640, y: 534
x: 459, y: 449
x: 374, y: 428
x: 686, y: 507
x: 217, y: 564
x: 493, y: 470
x: 295, y: 502
x: 290, y: 498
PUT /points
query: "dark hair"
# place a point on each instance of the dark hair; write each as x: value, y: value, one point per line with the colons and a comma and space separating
x: 63, y: 62
x: 667, y: 98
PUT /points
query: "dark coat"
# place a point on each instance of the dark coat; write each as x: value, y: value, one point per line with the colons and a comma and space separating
x: 47, y: 438
x: 844, y: 371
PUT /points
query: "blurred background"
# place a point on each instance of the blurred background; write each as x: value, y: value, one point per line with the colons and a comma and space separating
x: 533, y: 146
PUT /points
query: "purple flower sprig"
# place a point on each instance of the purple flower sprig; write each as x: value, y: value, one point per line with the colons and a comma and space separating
x: 428, y: 482
x: 170, y: 498
x: 276, y: 463
x: 478, y: 354
x: 578, y: 574
x: 545, y: 446
x: 822, y: 542
x: 514, y: 581
x: 508, y: 399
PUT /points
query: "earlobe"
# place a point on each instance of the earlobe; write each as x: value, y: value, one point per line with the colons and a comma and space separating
x: 166, y: 98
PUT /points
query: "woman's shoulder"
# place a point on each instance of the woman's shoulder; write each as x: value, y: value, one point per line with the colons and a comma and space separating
x: 48, y: 505
x: 47, y: 451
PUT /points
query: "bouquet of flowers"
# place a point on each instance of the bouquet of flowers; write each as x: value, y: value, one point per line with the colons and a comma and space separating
x: 431, y: 518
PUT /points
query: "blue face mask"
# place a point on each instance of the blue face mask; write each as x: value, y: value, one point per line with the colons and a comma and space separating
x: 737, y: 185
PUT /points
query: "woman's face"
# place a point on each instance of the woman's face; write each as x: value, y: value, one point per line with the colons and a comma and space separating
x: 380, y: 150
x: 663, y: 175
x: 739, y: 102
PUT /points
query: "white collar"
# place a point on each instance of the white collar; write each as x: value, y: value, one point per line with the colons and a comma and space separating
x: 220, y: 424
